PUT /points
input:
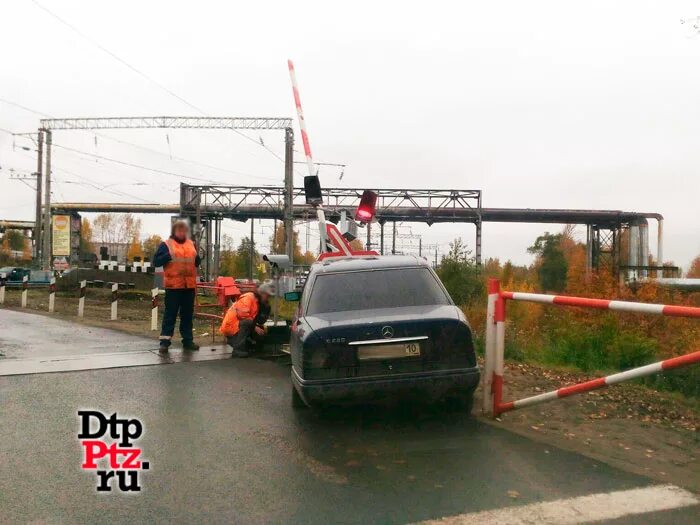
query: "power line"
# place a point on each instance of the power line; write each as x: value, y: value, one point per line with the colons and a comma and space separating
x: 145, y: 148
x: 144, y: 75
x: 116, y: 57
x: 133, y: 165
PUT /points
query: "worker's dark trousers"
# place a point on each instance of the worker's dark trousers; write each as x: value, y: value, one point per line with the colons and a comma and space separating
x: 239, y: 341
x: 182, y: 301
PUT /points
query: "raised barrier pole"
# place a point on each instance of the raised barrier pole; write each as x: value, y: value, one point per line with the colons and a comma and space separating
x: 3, y: 276
x: 25, y: 287
x: 605, y: 304
x: 52, y: 294
x: 115, y: 297
x: 594, y: 384
x: 154, y: 309
x: 81, y: 299
x: 494, y: 287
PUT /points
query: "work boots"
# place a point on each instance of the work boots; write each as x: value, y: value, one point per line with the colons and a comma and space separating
x: 190, y: 346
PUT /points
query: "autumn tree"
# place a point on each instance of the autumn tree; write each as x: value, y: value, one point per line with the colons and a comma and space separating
x: 15, y: 240
x: 116, y: 228
x: 694, y: 270
x: 150, y: 246
x: 460, y: 274
x: 278, y: 244
x: 86, y: 237
x: 135, y: 249
x: 243, y: 261
x: 551, y: 263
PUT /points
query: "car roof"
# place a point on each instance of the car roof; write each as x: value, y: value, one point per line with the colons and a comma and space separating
x: 367, y: 262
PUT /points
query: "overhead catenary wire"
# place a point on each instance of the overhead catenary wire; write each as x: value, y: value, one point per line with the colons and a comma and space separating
x: 139, y: 146
x: 142, y: 74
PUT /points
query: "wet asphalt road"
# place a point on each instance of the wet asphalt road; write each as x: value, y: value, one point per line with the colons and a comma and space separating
x: 225, y: 446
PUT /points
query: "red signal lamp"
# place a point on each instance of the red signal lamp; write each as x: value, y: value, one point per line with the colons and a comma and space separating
x: 367, y: 208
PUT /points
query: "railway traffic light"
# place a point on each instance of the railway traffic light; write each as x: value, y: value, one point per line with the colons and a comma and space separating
x: 367, y: 208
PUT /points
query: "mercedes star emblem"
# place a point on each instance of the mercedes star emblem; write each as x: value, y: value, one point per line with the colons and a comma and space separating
x: 387, y: 332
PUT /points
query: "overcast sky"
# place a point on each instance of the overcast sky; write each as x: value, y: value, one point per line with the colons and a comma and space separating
x: 539, y: 104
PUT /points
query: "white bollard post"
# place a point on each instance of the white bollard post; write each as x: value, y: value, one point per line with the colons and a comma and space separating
x: 81, y: 299
x: 25, y: 287
x: 115, y: 296
x: 154, y: 309
x: 52, y: 294
x: 490, y: 347
x: 3, y: 276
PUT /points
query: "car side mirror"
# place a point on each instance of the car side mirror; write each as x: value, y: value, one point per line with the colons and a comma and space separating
x: 292, y: 297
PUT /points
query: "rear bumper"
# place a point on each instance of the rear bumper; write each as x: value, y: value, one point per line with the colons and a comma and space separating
x: 431, y: 385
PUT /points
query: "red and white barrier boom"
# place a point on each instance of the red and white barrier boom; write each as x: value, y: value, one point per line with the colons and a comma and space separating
x: 495, y: 345
x: 320, y: 214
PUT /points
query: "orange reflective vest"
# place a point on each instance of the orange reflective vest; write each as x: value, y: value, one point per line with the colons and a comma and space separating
x: 181, y: 271
x: 245, y: 308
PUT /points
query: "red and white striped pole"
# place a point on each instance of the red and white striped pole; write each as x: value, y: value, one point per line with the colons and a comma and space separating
x: 115, y: 297
x: 52, y: 294
x: 500, y: 320
x: 25, y: 287
x: 154, y: 309
x: 606, y: 304
x: 634, y: 373
x: 494, y: 287
x: 307, y: 151
x: 81, y: 299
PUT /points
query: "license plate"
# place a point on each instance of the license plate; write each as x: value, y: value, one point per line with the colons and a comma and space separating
x: 388, y: 351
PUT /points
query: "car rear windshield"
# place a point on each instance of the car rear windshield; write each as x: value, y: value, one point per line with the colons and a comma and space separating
x: 388, y: 288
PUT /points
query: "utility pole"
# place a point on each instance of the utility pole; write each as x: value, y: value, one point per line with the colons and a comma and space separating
x: 37, y: 218
x: 369, y: 234
x: 420, y: 246
x: 289, y: 192
x: 252, y: 248
x: 393, y: 239
x: 381, y: 237
x: 46, y: 256
x: 436, y: 257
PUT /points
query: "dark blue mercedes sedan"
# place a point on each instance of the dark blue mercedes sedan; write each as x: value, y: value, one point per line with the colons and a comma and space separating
x: 373, y: 328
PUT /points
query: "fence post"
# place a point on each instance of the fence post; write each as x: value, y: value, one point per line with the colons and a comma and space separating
x: 81, y: 299
x: 489, y: 346
x: 115, y: 296
x: 500, y: 318
x: 25, y: 287
x: 154, y: 309
x: 3, y: 276
x: 52, y: 294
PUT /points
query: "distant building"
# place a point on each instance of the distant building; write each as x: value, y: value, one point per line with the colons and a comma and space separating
x: 112, y: 249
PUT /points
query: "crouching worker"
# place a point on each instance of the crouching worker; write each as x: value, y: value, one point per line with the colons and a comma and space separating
x: 179, y: 259
x: 241, y: 320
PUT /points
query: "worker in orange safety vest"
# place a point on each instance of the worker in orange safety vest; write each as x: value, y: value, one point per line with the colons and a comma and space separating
x: 240, y: 324
x: 179, y: 258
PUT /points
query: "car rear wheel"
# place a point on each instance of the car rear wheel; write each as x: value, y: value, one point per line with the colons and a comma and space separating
x: 460, y: 401
x: 297, y: 401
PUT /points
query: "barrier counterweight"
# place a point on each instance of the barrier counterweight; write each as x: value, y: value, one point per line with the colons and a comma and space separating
x: 3, y: 276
